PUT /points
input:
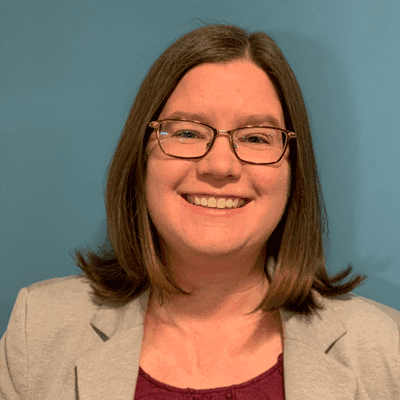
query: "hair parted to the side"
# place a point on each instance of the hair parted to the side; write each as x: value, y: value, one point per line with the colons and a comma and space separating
x: 297, y: 242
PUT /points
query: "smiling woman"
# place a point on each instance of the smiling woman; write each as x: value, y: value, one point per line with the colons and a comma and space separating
x: 222, y: 77
x: 217, y: 286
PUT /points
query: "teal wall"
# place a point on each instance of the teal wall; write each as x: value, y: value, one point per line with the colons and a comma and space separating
x: 70, y: 71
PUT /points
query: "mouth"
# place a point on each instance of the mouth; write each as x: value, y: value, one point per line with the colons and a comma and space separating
x: 218, y: 203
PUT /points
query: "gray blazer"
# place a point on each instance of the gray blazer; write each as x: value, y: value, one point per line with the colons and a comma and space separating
x: 59, y: 346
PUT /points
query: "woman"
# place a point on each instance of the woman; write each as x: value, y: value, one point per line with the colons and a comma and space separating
x: 215, y: 220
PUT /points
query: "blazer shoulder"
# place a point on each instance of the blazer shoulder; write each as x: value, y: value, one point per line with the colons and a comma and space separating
x: 73, y: 283
x: 59, y: 301
x: 367, y: 321
x: 361, y: 308
x: 381, y: 310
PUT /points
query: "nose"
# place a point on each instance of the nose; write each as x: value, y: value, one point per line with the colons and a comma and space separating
x: 221, y: 160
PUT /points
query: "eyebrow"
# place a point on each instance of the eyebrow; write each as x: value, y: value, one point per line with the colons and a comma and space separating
x: 256, y: 119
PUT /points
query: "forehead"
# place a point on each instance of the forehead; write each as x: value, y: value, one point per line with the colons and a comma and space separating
x: 221, y: 90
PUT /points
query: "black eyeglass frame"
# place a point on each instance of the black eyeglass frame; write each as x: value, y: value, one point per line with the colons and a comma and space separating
x: 156, y: 125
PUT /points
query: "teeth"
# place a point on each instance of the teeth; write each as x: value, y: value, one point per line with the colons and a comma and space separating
x: 215, y: 202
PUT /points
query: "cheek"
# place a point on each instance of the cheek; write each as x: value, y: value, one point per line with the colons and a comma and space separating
x: 153, y: 184
x: 161, y: 178
x: 152, y: 187
x: 276, y: 184
x: 280, y: 195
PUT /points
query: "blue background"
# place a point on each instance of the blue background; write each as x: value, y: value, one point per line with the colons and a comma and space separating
x: 70, y: 71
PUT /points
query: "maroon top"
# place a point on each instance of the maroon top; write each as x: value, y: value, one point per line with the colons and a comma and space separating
x: 267, y: 386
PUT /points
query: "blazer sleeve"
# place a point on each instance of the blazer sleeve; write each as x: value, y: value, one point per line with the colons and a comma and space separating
x: 14, y: 353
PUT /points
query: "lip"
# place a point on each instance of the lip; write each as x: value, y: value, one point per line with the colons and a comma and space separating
x: 216, y: 195
x: 214, y: 212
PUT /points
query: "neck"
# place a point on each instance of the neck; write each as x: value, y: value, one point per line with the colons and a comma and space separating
x: 223, y: 288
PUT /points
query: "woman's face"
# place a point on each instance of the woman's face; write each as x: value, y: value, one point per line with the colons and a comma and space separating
x: 225, y: 96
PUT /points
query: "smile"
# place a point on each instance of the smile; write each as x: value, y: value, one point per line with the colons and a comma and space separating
x: 215, y: 202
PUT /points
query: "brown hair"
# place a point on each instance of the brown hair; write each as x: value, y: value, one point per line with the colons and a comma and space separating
x: 297, y: 242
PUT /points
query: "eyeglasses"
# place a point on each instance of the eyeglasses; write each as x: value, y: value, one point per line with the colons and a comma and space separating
x: 192, y: 139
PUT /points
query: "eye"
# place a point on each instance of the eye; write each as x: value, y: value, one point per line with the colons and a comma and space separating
x: 187, y: 134
x: 257, y: 138
x: 260, y: 137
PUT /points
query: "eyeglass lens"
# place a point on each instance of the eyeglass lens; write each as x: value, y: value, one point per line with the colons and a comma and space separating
x: 191, y: 139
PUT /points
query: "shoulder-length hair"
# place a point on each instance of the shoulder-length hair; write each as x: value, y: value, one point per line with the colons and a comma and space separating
x: 297, y: 242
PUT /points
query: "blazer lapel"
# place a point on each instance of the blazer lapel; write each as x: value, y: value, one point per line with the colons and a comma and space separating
x: 309, y: 372
x: 110, y: 370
